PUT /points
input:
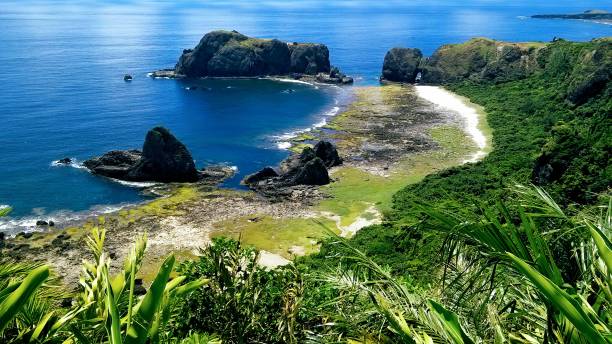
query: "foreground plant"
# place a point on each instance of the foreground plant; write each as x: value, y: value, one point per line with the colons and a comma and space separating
x: 243, y: 301
x: 501, y: 281
x: 111, y: 311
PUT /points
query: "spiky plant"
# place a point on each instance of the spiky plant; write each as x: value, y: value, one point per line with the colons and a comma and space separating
x: 111, y: 312
x: 501, y: 281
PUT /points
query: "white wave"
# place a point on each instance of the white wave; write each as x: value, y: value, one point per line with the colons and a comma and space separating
x: 283, y: 145
x: 332, y: 112
x: 448, y: 100
x: 134, y: 184
x: 290, y: 81
x: 74, y: 163
x: 234, y: 168
x: 12, y: 226
x: 283, y: 140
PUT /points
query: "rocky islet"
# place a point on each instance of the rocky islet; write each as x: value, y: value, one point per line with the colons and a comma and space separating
x: 232, y: 54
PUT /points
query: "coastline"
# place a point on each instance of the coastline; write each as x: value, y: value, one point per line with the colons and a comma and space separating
x: 411, y: 139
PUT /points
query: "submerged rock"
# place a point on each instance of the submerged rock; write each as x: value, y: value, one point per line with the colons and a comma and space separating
x: 163, y: 159
x: 64, y: 161
x: 127, y: 77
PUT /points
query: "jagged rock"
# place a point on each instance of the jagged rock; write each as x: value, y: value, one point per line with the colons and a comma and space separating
x: 327, y: 152
x: 401, y: 64
x: 296, y: 160
x: 163, y: 159
x: 313, y: 172
x: 263, y: 174
x: 114, y: 164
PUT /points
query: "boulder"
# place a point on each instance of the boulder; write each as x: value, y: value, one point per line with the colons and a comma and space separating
x: 163, y: 159
x: 328, y: 153
x: 263, y: 174
x: 42, y: 223
x: 127, y: 77
x: 114, y: 164
x: 401, y: 64
x: 313, y: 172
x: 295, y: 161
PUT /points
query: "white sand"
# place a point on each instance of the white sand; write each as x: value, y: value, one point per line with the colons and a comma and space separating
x: 450, y: 101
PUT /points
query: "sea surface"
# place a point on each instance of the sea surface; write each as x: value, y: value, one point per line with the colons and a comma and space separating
x: 62, y: 92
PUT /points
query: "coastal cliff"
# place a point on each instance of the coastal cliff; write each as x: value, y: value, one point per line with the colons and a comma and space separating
x: 232, y: 54
x: 486, y: 60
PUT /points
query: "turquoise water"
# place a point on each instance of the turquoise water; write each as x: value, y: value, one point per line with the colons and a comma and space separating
x: 62, y: 92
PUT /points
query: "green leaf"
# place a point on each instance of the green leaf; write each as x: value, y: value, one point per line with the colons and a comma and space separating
x: 561, y: 300
x: 604, y: 246
x: 450, y: 322
x: 114, y: 320
x: 15, y: 301
x: 149, y: 306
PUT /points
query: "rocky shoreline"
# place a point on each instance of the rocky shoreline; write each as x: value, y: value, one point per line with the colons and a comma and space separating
x: 382, y: 128
x: 341, y: 176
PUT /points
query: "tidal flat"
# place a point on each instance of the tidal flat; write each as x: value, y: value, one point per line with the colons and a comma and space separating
x: 388, y: 136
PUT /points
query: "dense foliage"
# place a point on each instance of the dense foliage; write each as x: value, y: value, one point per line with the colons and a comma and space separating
x: 242, y: 302
x: 468, y: 255
x: 539, y: 136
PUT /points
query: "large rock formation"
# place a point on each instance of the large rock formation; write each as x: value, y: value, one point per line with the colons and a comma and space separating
x: 163, y: 159
x: 486, y: 60
x: 401, y: 64
x: 230, y: 53
x: 307, y: 168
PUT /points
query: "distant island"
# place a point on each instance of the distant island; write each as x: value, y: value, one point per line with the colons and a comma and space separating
x: 598, y: 16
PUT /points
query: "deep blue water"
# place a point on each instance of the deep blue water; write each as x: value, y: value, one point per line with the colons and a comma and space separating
x: 62, y: 92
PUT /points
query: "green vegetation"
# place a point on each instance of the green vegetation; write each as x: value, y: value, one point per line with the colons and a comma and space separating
x: 465, y: 255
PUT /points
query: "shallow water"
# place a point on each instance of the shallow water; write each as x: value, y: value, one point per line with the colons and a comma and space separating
x: 62, y: 92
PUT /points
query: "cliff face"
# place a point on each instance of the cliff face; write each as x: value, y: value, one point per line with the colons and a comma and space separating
x: 485, y: 60
x: 229, y: 53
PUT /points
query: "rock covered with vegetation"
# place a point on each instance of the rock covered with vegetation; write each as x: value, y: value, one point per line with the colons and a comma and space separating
x: 163, y: 159
x: 486, y: 60
x: 232, y: 54
x: 401, y: 64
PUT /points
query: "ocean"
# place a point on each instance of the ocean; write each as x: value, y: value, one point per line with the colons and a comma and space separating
x: 62, y: 92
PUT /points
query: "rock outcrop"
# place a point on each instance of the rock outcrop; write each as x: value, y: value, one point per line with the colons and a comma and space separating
x: 232, y: 54
x: 163, y: 159
x: 486, y: 60
x: 306, y: 168
x: 401, y: 64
